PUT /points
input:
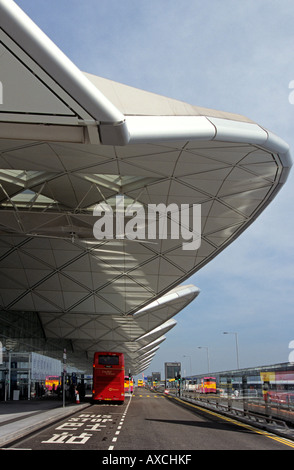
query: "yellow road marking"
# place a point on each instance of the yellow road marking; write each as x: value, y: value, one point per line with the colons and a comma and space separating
x: 238, y: 423
x: 147, y: 396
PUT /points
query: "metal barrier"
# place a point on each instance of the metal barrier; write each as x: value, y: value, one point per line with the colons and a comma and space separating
x: 255, y: 409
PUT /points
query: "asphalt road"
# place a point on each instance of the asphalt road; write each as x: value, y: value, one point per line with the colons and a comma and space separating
x: 151, y: 422
x: 156, y: 422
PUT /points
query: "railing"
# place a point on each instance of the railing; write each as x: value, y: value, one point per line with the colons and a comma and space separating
x: 254, y: 408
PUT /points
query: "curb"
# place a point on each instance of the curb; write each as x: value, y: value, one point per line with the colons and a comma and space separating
x: 41, y: 421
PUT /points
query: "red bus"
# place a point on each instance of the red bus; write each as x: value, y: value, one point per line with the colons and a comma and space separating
x: 108, y: 377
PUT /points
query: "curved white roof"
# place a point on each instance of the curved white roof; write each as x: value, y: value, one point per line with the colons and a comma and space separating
x: 69, y: 141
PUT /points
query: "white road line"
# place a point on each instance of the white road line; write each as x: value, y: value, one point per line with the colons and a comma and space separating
x: 120, y: 424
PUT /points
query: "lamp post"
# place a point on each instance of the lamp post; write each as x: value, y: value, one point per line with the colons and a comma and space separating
x: 237, y: 348
x: 207, y: 351
x: 190, y: 364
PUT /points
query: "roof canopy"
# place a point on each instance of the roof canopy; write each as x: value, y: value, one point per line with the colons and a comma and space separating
x: 70, y: 141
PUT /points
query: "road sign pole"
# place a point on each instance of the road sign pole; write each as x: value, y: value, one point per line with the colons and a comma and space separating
x: 64, y: 374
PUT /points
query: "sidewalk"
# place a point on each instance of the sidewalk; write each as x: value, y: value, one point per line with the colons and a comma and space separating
x: 21, y: 417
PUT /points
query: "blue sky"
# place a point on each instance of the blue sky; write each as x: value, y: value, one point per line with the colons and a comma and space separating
x: 231, y: 56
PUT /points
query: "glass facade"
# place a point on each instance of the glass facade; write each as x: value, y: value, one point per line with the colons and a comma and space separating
x: 172, y: 370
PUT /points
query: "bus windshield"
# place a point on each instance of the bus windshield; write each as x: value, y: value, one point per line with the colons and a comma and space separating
x: 108, y: 360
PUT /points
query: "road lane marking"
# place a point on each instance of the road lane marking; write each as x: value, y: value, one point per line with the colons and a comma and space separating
x: 120, y: 424
x: 148, y: 396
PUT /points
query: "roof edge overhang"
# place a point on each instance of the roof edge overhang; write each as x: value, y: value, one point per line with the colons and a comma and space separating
x: 17, y: 25
x: 150, y: 129
x: 115, y: 127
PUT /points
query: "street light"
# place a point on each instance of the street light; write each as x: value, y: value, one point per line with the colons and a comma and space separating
x: 237, y: 348
x: 207, y: 351
x: 190, y: 364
